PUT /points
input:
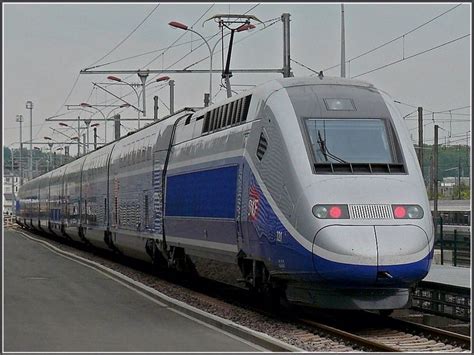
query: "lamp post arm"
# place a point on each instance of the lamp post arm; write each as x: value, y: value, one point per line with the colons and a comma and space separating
x: 117, y: 97
x: 210, y: 62
x: 133, y: 88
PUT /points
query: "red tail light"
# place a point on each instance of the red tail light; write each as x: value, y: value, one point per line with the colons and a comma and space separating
x: 399, y: 212
x: 335, y: 212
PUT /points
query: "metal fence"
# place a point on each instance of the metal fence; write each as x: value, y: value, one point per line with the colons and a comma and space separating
x: 446, y: 300
x: 454, y: 247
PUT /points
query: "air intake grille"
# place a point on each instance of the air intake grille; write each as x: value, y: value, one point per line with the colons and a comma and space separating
x: 262, y: 146
x: 370, y: 212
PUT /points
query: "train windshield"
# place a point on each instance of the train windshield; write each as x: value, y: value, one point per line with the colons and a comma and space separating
x: 349, y: 140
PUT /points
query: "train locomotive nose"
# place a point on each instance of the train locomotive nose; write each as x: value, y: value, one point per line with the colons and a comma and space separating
x: 371, y: 255
x: 346, y: 254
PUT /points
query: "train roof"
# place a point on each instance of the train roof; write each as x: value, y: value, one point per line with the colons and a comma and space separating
x: 325, y: 80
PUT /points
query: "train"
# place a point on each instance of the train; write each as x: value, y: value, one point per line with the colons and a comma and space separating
x: 304, y: 188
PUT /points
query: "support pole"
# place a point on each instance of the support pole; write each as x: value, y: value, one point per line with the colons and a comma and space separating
x: 95, y: 138
x: 19, y: 119
x: 13, y: 182
x: 435, y: 174
x: 143, y: 77
x: 420, y: 137
x: 171, y: 83
x: 285, y: 18
x: 84, y: 143
x: 117, y: 126
x: 343, y: 44
x: 155, y: 108
x: 87, y: 122
x: 29, y: 106
x: 206, y: 99
x: 459, y: 173
x: 78, y: 136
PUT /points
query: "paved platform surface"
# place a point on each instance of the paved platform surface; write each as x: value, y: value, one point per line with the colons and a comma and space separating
x: 55, y: 304
x: 450, y: 275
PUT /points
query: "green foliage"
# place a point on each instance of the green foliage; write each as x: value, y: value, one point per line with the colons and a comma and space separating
x: 448, y: 160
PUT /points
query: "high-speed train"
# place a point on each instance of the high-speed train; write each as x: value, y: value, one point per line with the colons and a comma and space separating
x: 308, y: 187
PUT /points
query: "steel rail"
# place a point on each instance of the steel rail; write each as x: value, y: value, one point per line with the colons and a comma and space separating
x: 429, y: 332
x: 352, y: 338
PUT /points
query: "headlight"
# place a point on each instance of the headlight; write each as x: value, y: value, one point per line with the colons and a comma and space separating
x: 331, y: 211
x: 407, y: 212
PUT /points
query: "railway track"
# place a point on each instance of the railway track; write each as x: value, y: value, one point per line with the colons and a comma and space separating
x: 377, y: 333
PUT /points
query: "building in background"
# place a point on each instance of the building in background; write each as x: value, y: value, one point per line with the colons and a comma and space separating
x: 11, y: 183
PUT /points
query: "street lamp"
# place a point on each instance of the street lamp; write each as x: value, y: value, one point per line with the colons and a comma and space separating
x: 182, y: 26
x: 50, y: 144
x: 85, y: 104
x: 143, y: 110
x: 12, y: 177
x: 77, y: 131
x: 19, y: 118
x: 29, y: 106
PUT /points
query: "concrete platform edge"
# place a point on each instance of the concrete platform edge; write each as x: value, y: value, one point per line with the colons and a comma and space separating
x: 257, y: 338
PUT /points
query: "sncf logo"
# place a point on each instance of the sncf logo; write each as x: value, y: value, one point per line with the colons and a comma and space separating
x: 253, y: 208
x: 253, y: 202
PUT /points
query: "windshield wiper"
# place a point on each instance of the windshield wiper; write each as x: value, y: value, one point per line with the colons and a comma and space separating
x: 322, y: 145
x: 326, y: 152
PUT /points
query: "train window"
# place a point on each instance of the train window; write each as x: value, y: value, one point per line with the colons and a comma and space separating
x: 188, y: 120
x: 349, y: 141
x: 343, y: 145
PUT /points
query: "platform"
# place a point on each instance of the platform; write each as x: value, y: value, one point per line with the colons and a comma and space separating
x: 54, y: 304
x: 449, y: 275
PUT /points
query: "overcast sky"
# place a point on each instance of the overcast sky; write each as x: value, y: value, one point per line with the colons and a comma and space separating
x: 46, y: 45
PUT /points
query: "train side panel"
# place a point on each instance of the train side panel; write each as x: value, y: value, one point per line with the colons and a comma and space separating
x: 56, y: 200
x: 94, y: 196
x: 72, y: 197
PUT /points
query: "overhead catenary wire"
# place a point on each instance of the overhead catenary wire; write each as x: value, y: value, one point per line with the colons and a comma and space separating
x: 182, y: 35
x: 147, y: 53
x: 304, y: 66
x: 395, y: 39
x: 275, y: 20
x: 413, y: 55
x: 189, y: 53
x: 131, y: 92
x: 125, y: 39
x: 113, y: 49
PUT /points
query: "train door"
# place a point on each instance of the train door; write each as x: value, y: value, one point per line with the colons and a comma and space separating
x: 242, y: 197
x: 157, y: 188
